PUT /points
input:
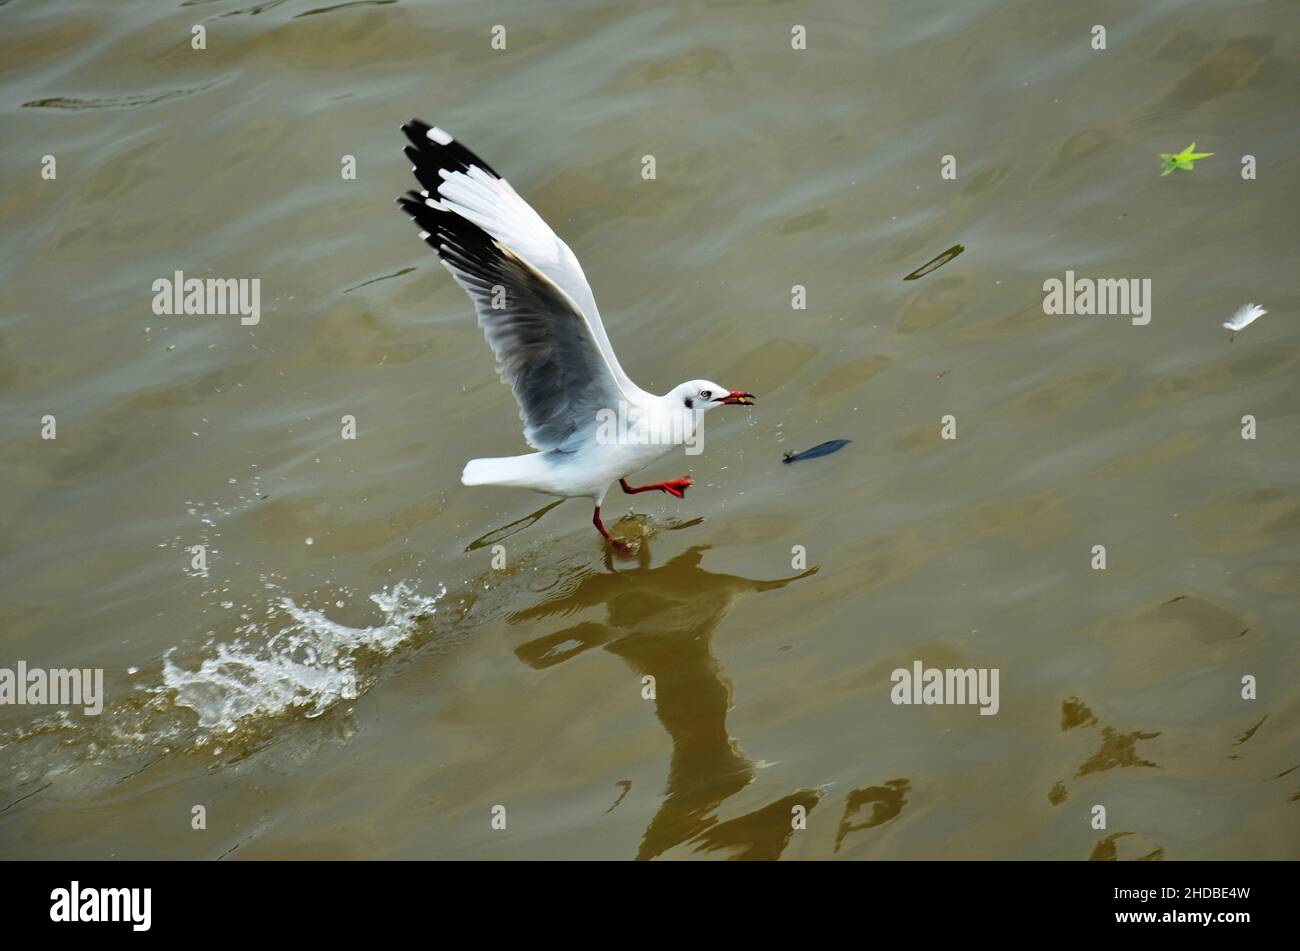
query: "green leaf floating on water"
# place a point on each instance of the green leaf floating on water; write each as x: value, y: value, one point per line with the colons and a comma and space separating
x: 1183, y: 159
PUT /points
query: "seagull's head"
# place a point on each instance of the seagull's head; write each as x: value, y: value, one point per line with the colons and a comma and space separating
x: 703, y: 395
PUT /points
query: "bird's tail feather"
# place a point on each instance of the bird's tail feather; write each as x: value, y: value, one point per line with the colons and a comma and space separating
x: 509, y: 470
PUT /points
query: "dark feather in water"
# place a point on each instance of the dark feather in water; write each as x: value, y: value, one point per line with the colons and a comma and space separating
x: 824, y: 449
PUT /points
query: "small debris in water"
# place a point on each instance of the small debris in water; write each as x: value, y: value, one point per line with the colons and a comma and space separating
x: 823, y: 449
x: 935, y: 263
x: 1246, y: 315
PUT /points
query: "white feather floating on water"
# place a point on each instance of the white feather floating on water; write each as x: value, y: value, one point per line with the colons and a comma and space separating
x: 1246, y: 315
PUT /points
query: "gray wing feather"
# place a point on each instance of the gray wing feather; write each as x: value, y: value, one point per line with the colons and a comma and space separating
x: 545, y: 350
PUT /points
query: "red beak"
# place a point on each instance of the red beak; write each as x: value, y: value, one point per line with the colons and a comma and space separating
x: 736, y: 398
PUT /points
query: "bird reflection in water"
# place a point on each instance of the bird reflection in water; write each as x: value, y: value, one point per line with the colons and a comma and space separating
x: 661, y: 622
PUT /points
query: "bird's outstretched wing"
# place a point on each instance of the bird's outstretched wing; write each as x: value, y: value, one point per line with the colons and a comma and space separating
x: 544, y: 345
x: 465, y: 185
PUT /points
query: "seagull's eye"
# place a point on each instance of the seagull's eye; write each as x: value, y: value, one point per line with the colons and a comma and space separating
x: 705, y: 394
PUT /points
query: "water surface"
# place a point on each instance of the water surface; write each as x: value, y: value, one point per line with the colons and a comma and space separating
x: 352, y: 677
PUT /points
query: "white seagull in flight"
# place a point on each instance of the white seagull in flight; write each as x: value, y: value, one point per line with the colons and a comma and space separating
x: 540, y: 319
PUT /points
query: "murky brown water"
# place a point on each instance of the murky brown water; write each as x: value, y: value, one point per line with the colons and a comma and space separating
x: 522, y: 687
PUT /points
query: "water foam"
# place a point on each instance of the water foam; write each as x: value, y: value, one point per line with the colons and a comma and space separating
x: 308, y: 665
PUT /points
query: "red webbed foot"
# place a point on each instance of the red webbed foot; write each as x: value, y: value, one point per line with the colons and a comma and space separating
x: 675, y: 487
x: 678, y: 487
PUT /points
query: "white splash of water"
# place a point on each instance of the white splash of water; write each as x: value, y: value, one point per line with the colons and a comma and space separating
x: 309, y: 665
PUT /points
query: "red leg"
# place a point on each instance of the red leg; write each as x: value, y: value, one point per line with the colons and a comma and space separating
x: 600, y: 527
x: 675, y: 487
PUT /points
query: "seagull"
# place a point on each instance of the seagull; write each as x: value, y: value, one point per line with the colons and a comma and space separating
x: 590, y: 424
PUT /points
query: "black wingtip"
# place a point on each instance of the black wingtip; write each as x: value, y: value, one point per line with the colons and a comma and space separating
x: 429, y: 155
x: 455, y: 238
